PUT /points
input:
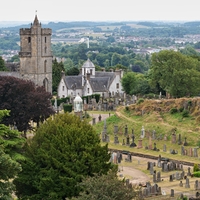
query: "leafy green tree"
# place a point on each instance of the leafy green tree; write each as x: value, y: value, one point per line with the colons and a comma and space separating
x: 62, y: 152
x: 68, y: 64
x: 128, y: 82
x: 106, y: 187
x: 11, y: 144
x: 116, y: 59
x: 57, y: 69
x: 2, y: 65
x: 175, y: 73
x: 72, y: 71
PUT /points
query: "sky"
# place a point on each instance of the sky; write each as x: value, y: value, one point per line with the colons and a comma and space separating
x: 100, y: 10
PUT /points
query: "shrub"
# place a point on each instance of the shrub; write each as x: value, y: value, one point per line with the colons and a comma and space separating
x: 181, y: 109
x: 67, y: 107
x: 173, y: 110
x: 127, y: 108
x: 196, y: 168
x: 140, y: 100
x: 196, y: 174
x: 185, y: 113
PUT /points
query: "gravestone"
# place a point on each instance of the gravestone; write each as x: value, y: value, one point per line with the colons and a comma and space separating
x: 181, y: 184
x: 189, y: 173
x: 155, y: 148
x: 139, y: 144
x: 125, y: 131
x: 170, y: 178
x: 153, y: 135
x: 116, y: 140
x: 173, y: 138
x: 164, y: 148
x: 187, y: 184
x: 142, y: 132
x: 172, y: 193
x: 196, y: 185
x: 127, y: 140
x: 195, y: 154
x: 158, y: 177
x: 154, y: 177
x: 185, y: 142
x: 159, y: 161
x: 179, y: 139
x: 93, y: 121
x: 115, y: 129
x: 182, y: 151
x: 133, y: 142
x: 123, y: 142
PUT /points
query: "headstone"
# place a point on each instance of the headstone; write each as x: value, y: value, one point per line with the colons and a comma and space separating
x: 151, y: 169
x: 189, y: 173
x: 191, y: 152
x: 125, y: 131
x: 133, y: 142
x: 195, y: 152
x: 185, y: 142
x: 182, y: 151
x: 159, y: 161
x: 170, y: 178
x: 155, y: 148
x: 187, y: 184
x: 164, y: 148
x: 116, y: 140
x: 123, y: 142
x: 139, y: 144
x: 93, y: 121
x: 173, y: 138
x: 142, y: 132
x: 127, y: 140
x: 172, y: 193
x: 165, y: 137
x: 158, y: 177
x: 181, y: 184
x: 115, y: 129
x: 154, y: 177
x: 196, y: 185
x: 179, y: 139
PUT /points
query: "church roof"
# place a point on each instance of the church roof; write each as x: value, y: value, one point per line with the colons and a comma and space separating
x: 88, y: 64
x: 73, y: 81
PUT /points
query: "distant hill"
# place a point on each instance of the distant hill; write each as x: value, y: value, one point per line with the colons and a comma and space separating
x: 192, y: 24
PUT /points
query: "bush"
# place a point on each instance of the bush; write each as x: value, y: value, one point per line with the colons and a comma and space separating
x: 181, y: 109
x: 127, y: 108
x: 196, y: 174
x: 173, y: 110
x: 67, y: 107
x: 140, y: 100
x: 196, y: 168
x: 185, y: 113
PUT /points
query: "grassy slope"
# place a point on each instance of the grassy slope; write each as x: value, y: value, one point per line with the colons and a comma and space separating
x: 156, y: 116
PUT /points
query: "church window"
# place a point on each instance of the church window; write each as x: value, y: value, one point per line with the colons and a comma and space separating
x: 90, y: 71
x: 29, y: 39
x: 117, y: 85
x: 45, y: 39
x: 45, y: 66
x: 45, y: 49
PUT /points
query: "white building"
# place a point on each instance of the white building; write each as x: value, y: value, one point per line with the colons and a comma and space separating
x: 90, y: 82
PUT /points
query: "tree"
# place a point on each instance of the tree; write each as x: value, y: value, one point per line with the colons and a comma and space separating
x: 72, y: 71
x: 25, y: 101
x: 116, y: 59
x: 57, y: 69
x: 175, y: 73
x: 11, y: 143
x: 128, y: 82
x: 62, y: 152
x: 106, y: 187
x: 2, y: 65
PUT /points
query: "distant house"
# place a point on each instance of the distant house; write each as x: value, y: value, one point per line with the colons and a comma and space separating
x: 90, y: 82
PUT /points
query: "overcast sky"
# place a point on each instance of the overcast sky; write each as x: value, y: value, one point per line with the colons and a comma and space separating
x: 100, y: 10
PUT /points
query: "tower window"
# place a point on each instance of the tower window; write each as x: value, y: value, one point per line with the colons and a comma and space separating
x: 45, y: 39
x: 45, y: 49
x: 45, y: 66
x: 29, y: 39
x: 90, y: 71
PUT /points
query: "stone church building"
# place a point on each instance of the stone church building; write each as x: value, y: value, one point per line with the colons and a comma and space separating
x: 90, y: 82
x: 35, y: 56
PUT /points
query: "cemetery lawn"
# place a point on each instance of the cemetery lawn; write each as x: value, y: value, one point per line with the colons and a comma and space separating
x: 164, y: 125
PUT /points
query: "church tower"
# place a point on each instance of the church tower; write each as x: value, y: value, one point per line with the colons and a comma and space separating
x: 35, y: 55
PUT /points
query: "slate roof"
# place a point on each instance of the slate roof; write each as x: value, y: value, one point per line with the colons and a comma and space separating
x: 110, y: 75
x: 88, y: 64
x: 70, y: 81
x: 100, y: 84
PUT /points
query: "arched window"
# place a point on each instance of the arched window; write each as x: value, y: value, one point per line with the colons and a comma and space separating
x: 45, y: 84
